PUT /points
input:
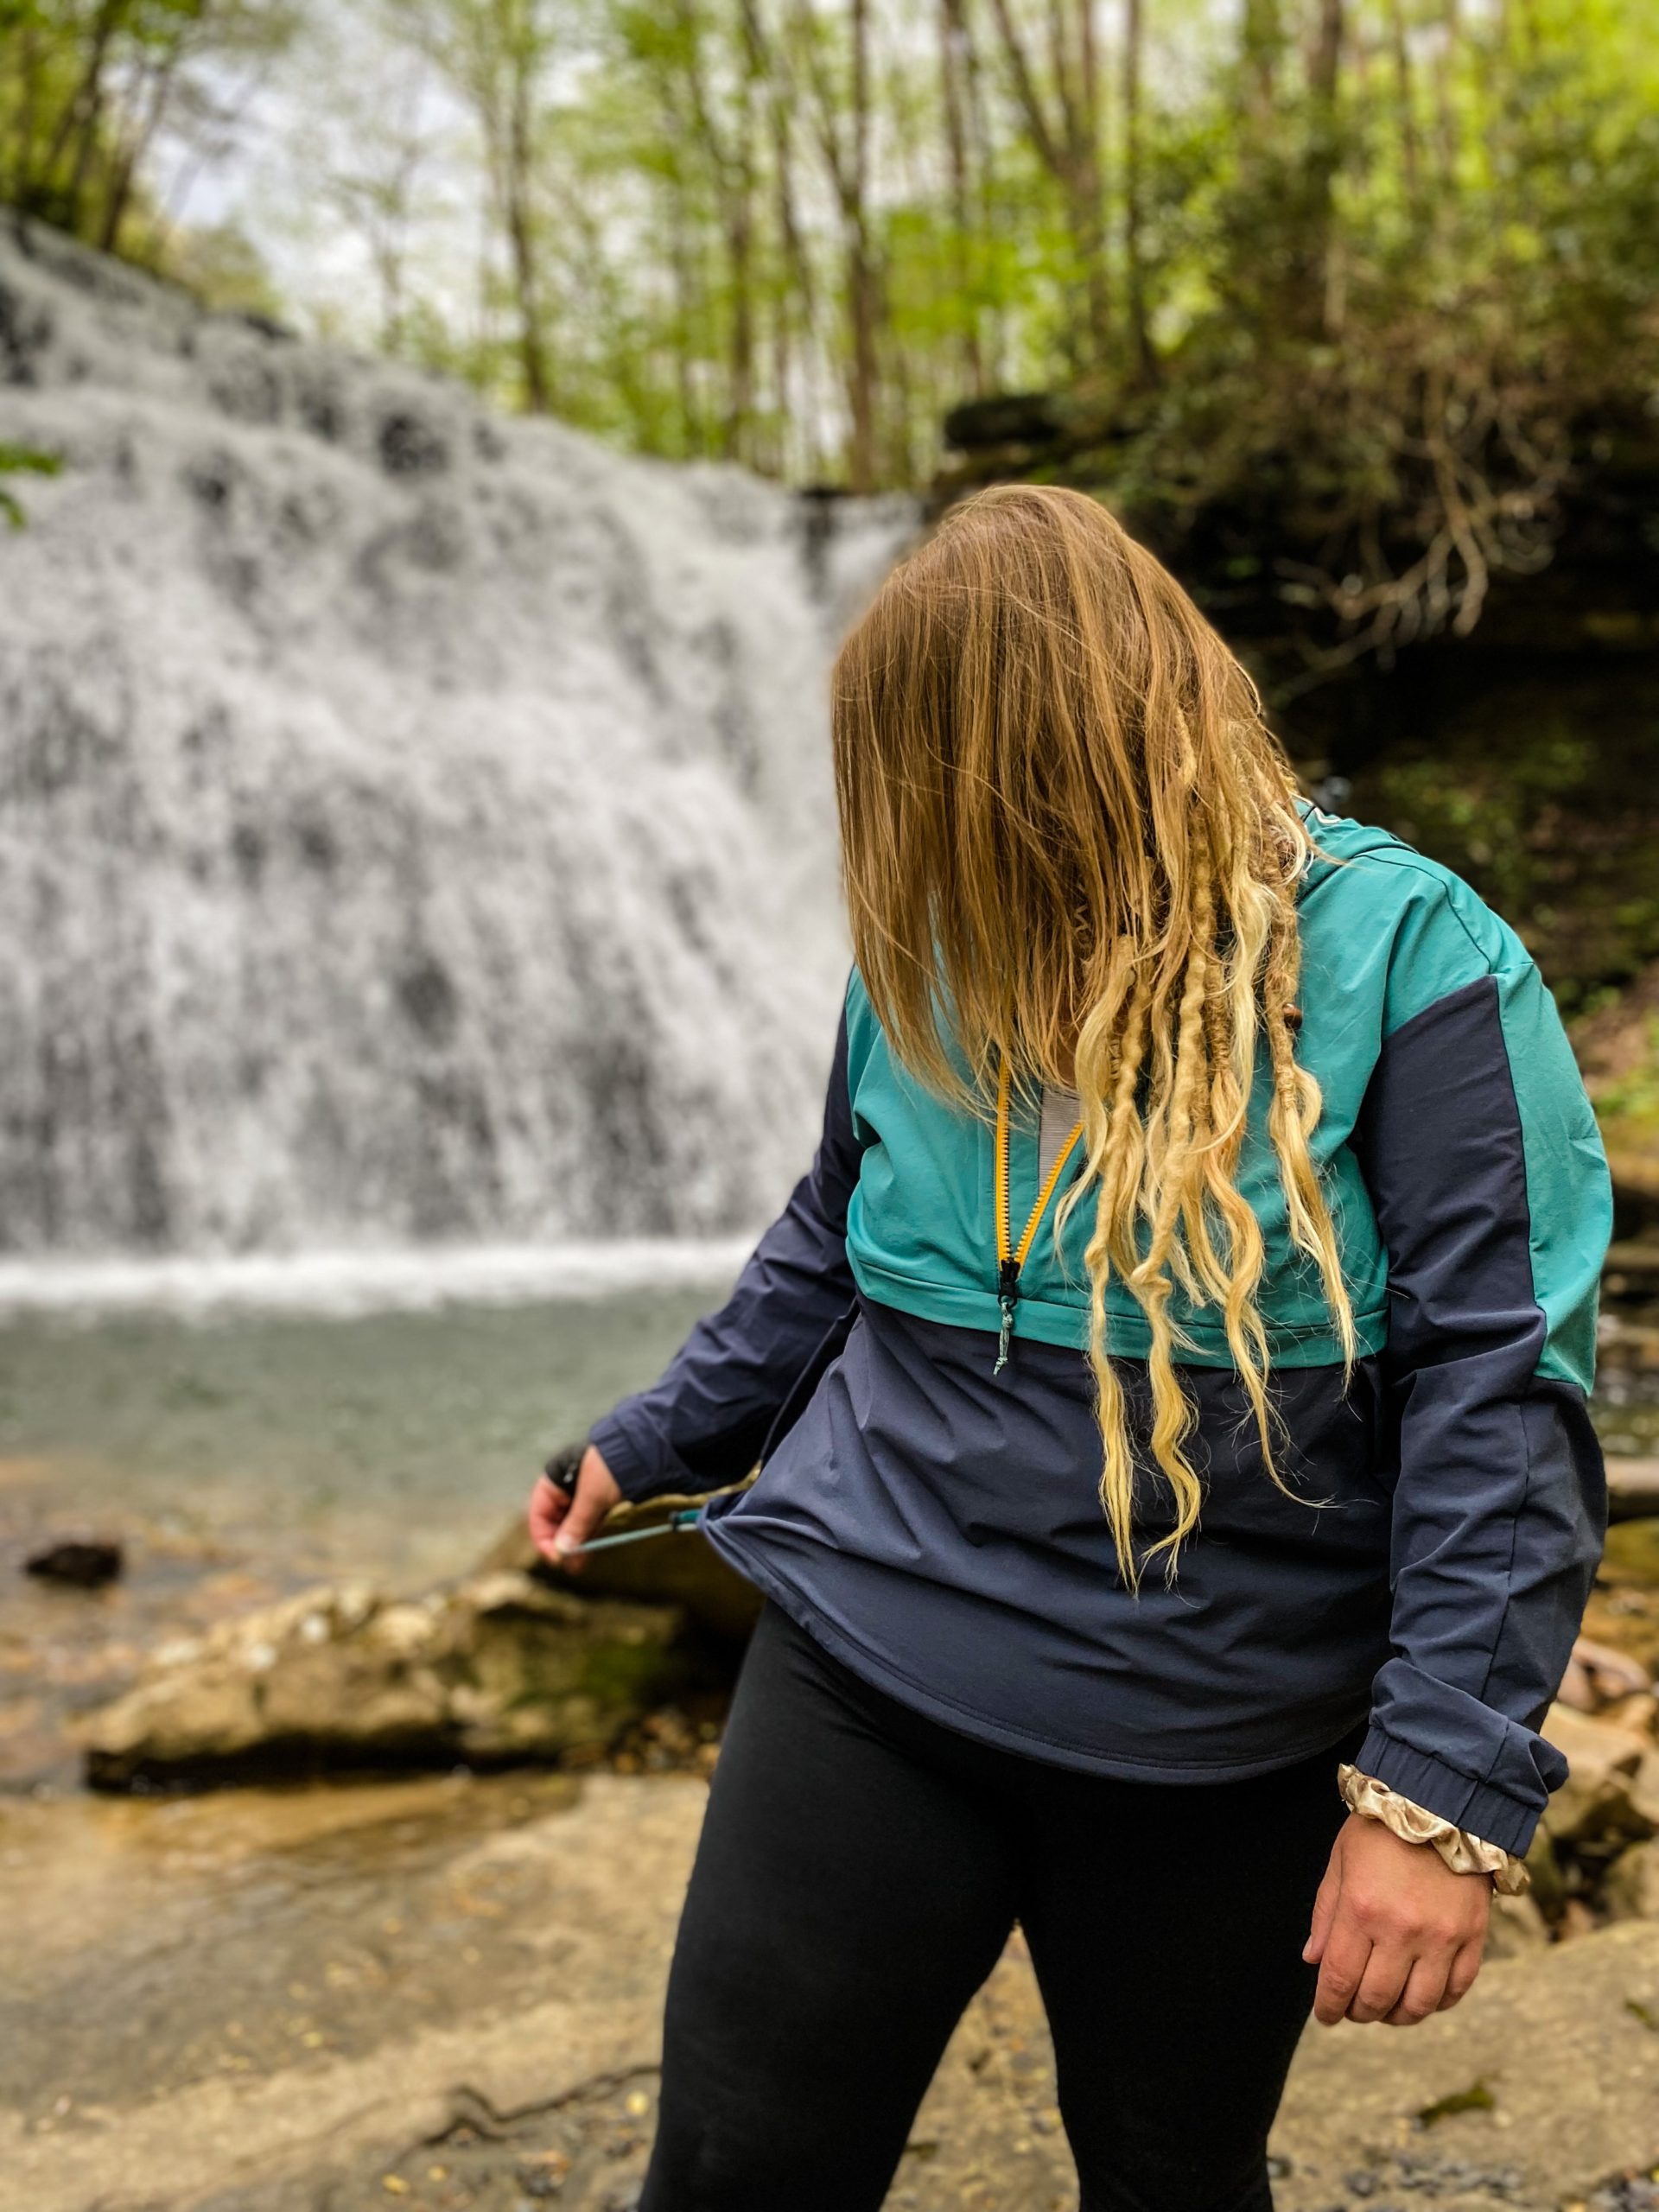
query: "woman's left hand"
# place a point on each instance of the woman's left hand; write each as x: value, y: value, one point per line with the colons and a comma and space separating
x: 1397, y: 1934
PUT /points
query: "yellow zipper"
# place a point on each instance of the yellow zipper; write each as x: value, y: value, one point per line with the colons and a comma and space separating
x: 1010, y: 1257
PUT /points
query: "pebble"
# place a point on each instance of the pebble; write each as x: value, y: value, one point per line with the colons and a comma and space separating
x: 77, y: 1562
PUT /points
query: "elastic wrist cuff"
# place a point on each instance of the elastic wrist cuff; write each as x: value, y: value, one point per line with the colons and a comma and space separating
x: 1463, y: 1852
x: 633, y: 1473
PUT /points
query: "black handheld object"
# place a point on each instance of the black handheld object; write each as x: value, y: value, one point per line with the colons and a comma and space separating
x: 561, y: 1470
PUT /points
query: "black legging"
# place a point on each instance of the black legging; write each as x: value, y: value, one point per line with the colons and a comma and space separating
x: 860, y: 1870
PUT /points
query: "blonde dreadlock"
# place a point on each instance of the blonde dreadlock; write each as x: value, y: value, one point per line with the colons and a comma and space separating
x: 1064, y: 817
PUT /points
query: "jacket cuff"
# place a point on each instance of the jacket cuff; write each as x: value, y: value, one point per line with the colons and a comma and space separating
x: 641, y: 1463
x: 1476, y: 1807
x: 1412, y: 1823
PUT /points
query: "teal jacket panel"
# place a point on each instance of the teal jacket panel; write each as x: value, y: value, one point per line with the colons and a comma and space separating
x: 1386, y: 935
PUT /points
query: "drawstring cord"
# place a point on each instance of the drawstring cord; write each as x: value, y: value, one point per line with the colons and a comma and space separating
x: 688, y: 1517
x: 1009, y: 1258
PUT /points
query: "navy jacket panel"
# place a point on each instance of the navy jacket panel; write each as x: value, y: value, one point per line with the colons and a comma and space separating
x: 938, y: 1527
x: 707, y: 1420
x: 1500, y: 1502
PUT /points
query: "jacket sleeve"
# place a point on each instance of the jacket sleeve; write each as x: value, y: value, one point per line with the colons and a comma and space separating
x: 1490, y: 1188
x: 703, y: 1422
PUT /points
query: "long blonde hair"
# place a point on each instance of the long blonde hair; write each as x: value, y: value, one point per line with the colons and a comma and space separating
x: 1064, y: 819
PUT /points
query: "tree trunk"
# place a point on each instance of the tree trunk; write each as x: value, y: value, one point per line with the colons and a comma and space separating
x: 137, y: 145
x: 1405, y: 92
x: 89, y: 93
x: 846, y: 157
x: 1069, y: 148
x: 521, y: 241
x: 740, y: 411
x: 954, y: 44
x: 1089, y: 221
x: 21, y: 185
x: 1263, y: 40
x: 731, y: 161
x: 1445, y: 95
x: 1314, y: 306
x: 1133, y: 261
x: 87, y: 107
x: 686, y: 288
x: 861, y: 271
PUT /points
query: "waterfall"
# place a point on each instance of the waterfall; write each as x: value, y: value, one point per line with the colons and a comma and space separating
x: 414, y: 825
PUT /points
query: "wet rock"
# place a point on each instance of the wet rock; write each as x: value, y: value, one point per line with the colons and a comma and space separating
x: 1632, y: 1488
x: 1644, y: 1789
x: 78, y: 1563
x: 1631, y: 1890
x: 1517, y: 1925
x: 683, y: 1570
x: 1609, y: 1673
x: 1548, y: 1889
x: 1632, y: 1554
x: 1595, y: 1801
x: 1639, y: 1714
x: 1019, y: 418
x: 496, y: 1669
x: 1636, y: 2193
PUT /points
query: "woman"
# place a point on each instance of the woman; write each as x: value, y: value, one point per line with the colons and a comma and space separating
x: 1169, y: 1389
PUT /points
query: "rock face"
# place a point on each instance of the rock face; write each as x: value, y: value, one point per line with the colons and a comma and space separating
x: 1632, y: 1890
x: 679, y: 1570
x: 496, y: 1669
x: 1604, y: 1760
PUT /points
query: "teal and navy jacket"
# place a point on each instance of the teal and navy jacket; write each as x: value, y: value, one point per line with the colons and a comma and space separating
x: 936, y: 1524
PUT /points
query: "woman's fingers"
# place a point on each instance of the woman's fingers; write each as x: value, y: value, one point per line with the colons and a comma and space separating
x: 1342, y: 1969
x: 1425, y: 1987
x: 549, y: 1505
x: 561, y: 1519
x: 1383, y: 1982
x: 1324, y: 1908
x: 596, y: 1493
x: 1461, y: 1978
x: 588, y: 1510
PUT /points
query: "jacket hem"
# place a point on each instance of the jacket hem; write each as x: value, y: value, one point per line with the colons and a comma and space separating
x: 871, y: 1668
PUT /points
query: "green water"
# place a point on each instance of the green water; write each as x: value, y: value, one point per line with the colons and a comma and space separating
x: 385, y: 1444
x: 241, y: 1459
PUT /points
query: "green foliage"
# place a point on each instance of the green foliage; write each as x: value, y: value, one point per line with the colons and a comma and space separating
x: 1634, y: 1098
x: 23, y: 461
x: 90, y: 88
x: 1384, y: 274
x: 1403, y: 373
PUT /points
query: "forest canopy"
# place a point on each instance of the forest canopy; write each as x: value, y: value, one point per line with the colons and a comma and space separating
x: 1388, y: 266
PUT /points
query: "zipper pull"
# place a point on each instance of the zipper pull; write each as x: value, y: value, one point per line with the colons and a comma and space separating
x: 1008, y: 1290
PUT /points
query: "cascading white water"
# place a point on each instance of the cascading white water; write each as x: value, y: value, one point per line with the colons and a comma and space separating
x: 413, y: 824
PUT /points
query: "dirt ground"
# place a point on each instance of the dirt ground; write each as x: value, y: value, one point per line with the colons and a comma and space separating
x: 443, y: 1993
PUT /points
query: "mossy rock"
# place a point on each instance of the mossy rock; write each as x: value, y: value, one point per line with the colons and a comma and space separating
x: 344, y: 1678
x: 1632, y: 1552
x: 683, y: 1570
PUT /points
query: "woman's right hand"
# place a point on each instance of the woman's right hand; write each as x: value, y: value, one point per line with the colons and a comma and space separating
x: 559, y: 1521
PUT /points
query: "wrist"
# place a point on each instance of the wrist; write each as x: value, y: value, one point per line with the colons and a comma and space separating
x: 1370, y: 1800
